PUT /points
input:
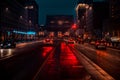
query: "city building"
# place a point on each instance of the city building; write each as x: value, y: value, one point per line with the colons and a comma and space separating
x: 59, y: 23
x: 13, y: 20
x: 100, y: 14
x: 85, y: 18
x: 18, y: 19
x: 94, y: 18
x: 32, y: 8
x: 114, y: 17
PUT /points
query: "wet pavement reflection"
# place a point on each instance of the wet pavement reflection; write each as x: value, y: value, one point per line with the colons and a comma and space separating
x: 63, y: 65
x: 4, y: 53
x: 110, y: 63
x: 46, y: 50
x: 108, y: 60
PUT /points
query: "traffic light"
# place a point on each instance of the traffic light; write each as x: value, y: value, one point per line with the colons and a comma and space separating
x: 74, y: 26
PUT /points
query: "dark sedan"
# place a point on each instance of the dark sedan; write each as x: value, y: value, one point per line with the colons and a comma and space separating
x: 7, y: 44
x: 100, y: 44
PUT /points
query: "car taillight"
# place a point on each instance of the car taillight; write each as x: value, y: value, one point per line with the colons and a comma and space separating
x: 51, y: 41
x: 44, y: 41
x: 97, y: 43
x: 105, y: 43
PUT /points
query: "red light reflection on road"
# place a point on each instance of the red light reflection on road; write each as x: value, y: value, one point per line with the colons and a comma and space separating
x: 46, y: 50
x: 102, y: 53
x: 62, y: 65
x: 67, y: 58
x: 71, y: 45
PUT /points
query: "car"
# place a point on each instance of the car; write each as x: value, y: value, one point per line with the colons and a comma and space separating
x: 80, y: 40
x: 48, y: 41
x: 92, y: 42
x: 71, y: 41
x: 7, y: 44
x: 100, y: 44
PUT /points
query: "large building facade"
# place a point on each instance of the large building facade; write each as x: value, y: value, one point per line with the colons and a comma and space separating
x: 84, y: 11
x: 32, y: 8
x: 92, y: 15
x: 114, y: 17
x: 59, y: 22
x: 13, y: 19
x: 104, y: 18
x: 100, y: 14
x: 15, y: 22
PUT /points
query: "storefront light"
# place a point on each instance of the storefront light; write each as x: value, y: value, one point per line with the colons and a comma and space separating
x: 28, y: 33
x: 31, y: 33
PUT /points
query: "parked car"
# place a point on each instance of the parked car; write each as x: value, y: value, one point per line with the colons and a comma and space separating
x: 80, y: 40
x: 92, y: 42
x: 8, y: 44
x: 100, y: 44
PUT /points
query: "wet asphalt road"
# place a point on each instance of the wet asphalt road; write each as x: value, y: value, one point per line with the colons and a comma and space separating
x: 63, y: 65
x: 108, y: 60
x: 24, y: 62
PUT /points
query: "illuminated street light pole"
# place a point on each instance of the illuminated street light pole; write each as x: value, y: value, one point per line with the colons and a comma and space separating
x: 83, y: 12
x: 81, y: 18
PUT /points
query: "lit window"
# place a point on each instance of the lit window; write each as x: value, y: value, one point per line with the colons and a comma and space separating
x: 21, y: 17
x: 6, y: 9
x: 90, y: 8
x: 30, y: 21
x: 26, y: 7
x: 66, y: 21
x: 112, y: 16
x: 52, y: 22
x: 31, y: 7
x: 60, y: 22
x: 86, y: 6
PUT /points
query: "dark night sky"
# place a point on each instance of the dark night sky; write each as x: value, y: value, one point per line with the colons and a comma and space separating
x: 56, y: 7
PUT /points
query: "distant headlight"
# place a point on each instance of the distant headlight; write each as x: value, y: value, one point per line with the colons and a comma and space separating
x: 9, y: 44
x: 1, y: 44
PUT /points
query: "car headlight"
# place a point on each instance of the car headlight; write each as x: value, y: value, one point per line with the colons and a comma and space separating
x: 9, y: 44
x: 1, y: 44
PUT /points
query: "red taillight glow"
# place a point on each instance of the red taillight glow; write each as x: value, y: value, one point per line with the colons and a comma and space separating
x: 97, y: 43
x: 105, y: 43
x: 46, y: 51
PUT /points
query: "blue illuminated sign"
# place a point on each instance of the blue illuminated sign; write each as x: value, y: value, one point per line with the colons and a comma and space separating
x: 28, y: 33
